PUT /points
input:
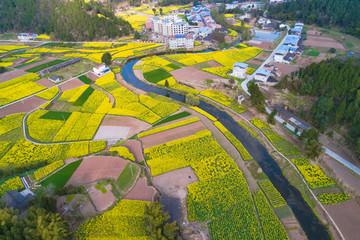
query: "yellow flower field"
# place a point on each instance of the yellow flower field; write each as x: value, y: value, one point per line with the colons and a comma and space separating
x: 232, y: 33
x: 12, y: 47
x: 220, y: 71
x: 44, y: 171
x: 223, y: 99
x: 123, y: 152
x: 6, y: 64
x: 136, y: 21
x: 97, y: 45
x: 11, y: 184
x: 48, y: 94
x: 43, y: 36
x: 11, y: 122
x: 208, y: 115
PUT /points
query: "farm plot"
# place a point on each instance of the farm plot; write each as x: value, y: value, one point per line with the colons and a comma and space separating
x: 19, y: 88
x: 221, y: 184
x: 272, y: 194
x: 93, y: 169
x: 49, y: 126
x: 125, y: 221
x: 224, y: 100
x: 60, y: 178
x: 141, y: 191
x: 45, y: 65
x: 26, y: 105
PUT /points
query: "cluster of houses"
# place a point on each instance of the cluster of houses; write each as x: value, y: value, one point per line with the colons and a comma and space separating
x: 291, y: 46
x: 267, y: 73
x: 173, y: 29
x: 246, y: 6
x: 27, y: 36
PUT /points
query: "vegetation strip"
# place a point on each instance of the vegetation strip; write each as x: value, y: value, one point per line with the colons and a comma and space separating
x: 172, y: 118
x: 272, y: 193
x: 237, y: 144
x: 168, y: 127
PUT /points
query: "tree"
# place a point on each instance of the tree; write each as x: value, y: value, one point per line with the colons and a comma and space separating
x: 161, y: 11
x: 332, y: 50
x: 154, y: 10
x: 106, y: 58
x: 48, y: 203
x: 136, y: 35
x: 257, y: 97
x: 313, y: 149
x: 2, y: 69
x: 271, y: 118
x: 192, y: 99
x: 158, y: 227
x: 38, y: 224
x: 166, y: 83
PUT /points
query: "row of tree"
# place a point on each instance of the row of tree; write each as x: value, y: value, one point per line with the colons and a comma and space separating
x: 344, y: 13
x: 336, y: 84
x: 65, y: 20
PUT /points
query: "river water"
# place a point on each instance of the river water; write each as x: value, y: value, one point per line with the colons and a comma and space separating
x: 309, y: 222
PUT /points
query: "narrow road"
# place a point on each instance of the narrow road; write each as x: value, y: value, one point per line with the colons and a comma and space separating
x: 269, y: 59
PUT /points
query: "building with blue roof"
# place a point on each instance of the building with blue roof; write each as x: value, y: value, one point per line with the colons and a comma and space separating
x: 262, y: 75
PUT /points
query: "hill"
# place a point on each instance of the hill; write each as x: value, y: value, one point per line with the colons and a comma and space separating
x: 68, y: 21
x: 325, y: 13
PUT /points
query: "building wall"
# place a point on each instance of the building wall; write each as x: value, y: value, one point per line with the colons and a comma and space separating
x: 239, y: 72
x: 261, y: 77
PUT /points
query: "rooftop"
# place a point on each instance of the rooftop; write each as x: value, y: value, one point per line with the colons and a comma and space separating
x: 292, y: 118
x: 240, y: 64
x: 262, y: 71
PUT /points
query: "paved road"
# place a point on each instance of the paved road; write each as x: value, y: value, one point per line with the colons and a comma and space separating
x: 269, y: 59
x: 341, y: 160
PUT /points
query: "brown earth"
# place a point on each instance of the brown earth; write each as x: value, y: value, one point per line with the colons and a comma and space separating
x: 134, y: 147
x: 141, y: 191
x: 254, y: 61
x: 317, y: 41
x: 92, y: 76
x: 174, y: 183
x: 71, y: 84
x: 347, y: 217
x: 24, y: 106
x: 172, y: 134
x: 96, y: 168
x: 136, y: 125
x: 191, y: 74
x: 214, y: 63
x: 12, y: 74
x: 101, y: 201
x: 44, y: 82
x: 261, y: 44
x: 263, y: 55
x: 285, y: 68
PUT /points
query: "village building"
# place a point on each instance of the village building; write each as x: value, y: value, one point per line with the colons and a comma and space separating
x: 101, y: 69
x: 239, y: 70
x: 291, y: 119
x: 27, y: 36
x: 17, y: 200
x: 280, y: 53
x: 262, y: 75
x: 181, y: 41
x: 55, y: 78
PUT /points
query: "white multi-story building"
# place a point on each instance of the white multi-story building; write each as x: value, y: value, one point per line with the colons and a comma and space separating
x: 169, y: 25
x: 239, y: 70
x: 181, y: 41
x: 26, y: 36
x: 262, y: 74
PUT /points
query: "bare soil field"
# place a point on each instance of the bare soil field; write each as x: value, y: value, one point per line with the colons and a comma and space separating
x: 171, y: 182
x: 141, y: 191
x: 134, y: 147
x: 172, y: 134
x: 317, y: 41
x: 24, y: 106
x: 71, y: 85
x: 38, y: 63
x: 191, y: 75
x: 101, y: 201
x: 285, y: 68
x: 260, y: 44
x: 135, y: 125
x: 111, y: 133
x: 254, y: 61
x: 214, y: 63
x: 93, y: 169
x: 12, y: 74
x: 263, y: 55
x: 292, y: 223
x: 44, y: 82
x: 92, y: 76
x: 347, y: 217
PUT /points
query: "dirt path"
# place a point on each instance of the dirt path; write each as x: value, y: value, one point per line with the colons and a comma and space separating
x: 141, y: 191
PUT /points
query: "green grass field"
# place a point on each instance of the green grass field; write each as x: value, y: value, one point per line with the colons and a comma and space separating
x: 85, y: 79
x: 45, y: 65
x: 173, y: 117
x: 126, y: 179
x: 60, y: 178
x: 26, y: 64
x: 156, y: 75
x: 84, y: 96
x: 56, y: 115
x: 173, y: 66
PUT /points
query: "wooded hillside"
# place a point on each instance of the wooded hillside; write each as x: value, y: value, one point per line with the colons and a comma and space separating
x: 336, y: 83
x: 68, y: 21
x: 344, y: 13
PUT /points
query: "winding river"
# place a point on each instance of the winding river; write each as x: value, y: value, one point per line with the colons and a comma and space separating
x: 309, y: 222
